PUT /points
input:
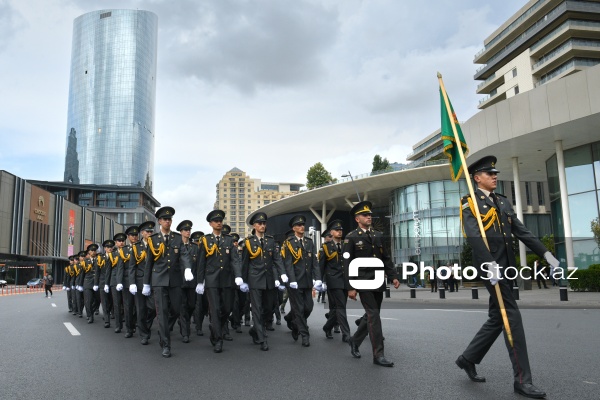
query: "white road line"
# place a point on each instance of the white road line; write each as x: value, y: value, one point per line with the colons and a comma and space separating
x: 441, y: 309
x: 53, y: 305
x: 591, y: 383
x: 392, y: 319
x: 72, y: 329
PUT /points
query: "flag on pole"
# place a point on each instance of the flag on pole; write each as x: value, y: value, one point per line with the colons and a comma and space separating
x: 450, y: 147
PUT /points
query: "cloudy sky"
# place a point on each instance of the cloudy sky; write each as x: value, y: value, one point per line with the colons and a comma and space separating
x: 268, y: 86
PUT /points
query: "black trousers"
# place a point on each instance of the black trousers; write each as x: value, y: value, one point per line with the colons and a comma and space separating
x: 106, y: 300
x: 145, y: 312
x: 188, y: 304
x: 73, y: 294
x: 117, y: 297
x: 88, y: 297
x: 167, y: 302
x: 262, y: 301
x: 302, y: 306
x: 220, y: 301
x: 239, y: 308
x: 200, y: 311
x: 371, y: 325
x: 337, y: 311
x: 491, y: 329
x: 48, y: 288
x: 128, y: 309
x: 97, y: 300
x: 79, y: 299
x: 69, y: 300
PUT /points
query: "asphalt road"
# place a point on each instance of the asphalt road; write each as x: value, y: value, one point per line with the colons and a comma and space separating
x: 41, y: 359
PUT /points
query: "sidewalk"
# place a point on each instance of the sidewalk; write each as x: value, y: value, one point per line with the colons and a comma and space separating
x: 538, y: 298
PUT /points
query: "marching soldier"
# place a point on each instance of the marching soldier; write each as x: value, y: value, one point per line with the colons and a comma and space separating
x: 261, y: 268
x: 218, y: 264
x: 73, y: 283
x: 67, y: 283
x: 102, y: 268
x: 302, y: 269
x: 332, y: 270
x: 89, y: 275
x: 144, y: 305
x: 201, y: 307
x: 112, y: 280
x: 79, y: 275
x: 501, y: 222
x: 364, y: 242
x: 166, y: 259
x: 188, y: 289
x: 239, y: 300
x: 127, y: 261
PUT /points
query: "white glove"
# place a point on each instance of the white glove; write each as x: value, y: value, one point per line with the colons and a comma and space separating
x: 64, y: 287
x: 188, y: 274
x: 318, y: 284
x: 554, y: 263
x: 294, y: 285
x: 80, y: 288
x: 244, y: 288
x: 324, y: 287
x: 133, y: 289
x: 277, y: 283
x: 239, y: 281
x: 200, y: 288
x: 119, y: 287
x: 284, y: 278
x: 72, y: 287
x: 95, y: 288
x: 494, y: 274
x: 68, y: 289
x: 146, y: 290
x: 282, y: 288
x: 106, y: 289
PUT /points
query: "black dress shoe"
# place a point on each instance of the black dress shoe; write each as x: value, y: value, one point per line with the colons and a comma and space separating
x: 328, y: 334
x: 278, y: 322
x: 336, y: 329
x: 469, y: 368
x: 384, y: 362
x: 529, y: 390
x: 295, y: 334
x: 254, y: 335
x: 166, y: 352
x: 186, y: 339
x: 305, y: 341
x: 264, y: 346
x: 353, y: 348
x: 269, y: 327
x: 218, y: 347
x: 90, y: 320
x: 145, y: 341
x: 227, y: 337
x: 80, y: 315
x: 128, y: 335
x: 118, y: 330
x: 107, y: 325
x: 199, y: 333
x: 97, y: 312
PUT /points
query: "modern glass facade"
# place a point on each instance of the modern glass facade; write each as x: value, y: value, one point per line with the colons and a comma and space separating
x: 110, y: 123
x: 582, y: 168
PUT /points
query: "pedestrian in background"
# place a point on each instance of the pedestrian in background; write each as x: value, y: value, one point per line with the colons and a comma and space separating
x: 48, y: 282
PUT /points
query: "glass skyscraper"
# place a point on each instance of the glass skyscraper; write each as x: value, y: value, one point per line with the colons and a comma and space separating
x: 110, y: 123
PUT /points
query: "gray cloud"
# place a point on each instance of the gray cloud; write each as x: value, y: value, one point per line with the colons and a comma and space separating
x: 11, y: 21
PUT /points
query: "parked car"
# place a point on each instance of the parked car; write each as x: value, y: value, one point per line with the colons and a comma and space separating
x: 3, y: 283
x: 37, y: 282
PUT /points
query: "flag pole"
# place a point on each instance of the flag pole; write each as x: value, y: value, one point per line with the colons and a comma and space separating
x: 476, y: 206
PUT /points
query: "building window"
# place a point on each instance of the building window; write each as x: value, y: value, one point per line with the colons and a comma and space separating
x: 516, y: 89
x: 528, y: 193
x: 540, y: 190
x: 267, y: 202
x: 232, y: 179
x: 249, y: 201
x: 514, y: 72
x: 232, y: 213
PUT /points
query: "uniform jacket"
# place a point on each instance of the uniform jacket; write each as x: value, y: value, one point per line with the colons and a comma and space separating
x: 261, y: 266
x: 165, y: 263
x: 194, y: 250
x: 500, y: 222
x: 89, y: 274
x: 100, y: 266
x: 218, y: 266
x: 126, y: 263
x: 300, y: 261
x: 331, y: 266
x: 70, y: 278
x: 80, y: 273
x: 136, y: 270
x: 359, y: 243
x: 112, y: 260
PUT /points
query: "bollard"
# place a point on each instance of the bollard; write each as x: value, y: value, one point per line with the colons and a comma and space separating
x: 387, y: 292
x: 564, y: 295
x: 442, y: 293
x: 516, y: 292
x: 474, y: 293
x: 413, y: 293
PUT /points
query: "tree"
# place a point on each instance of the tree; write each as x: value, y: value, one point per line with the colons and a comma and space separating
x: 317, y: 176
x: 380, y: 164
x: 596, y: 230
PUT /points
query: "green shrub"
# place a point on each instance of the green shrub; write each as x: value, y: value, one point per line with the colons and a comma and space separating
x: 587, y: 279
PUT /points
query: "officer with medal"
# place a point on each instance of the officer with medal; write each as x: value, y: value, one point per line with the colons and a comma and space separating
x: 218, y: 265
x: 67, y: 283
x: 261, y: 270
x: 302, y: 269
x: 332, y: 270
x: 112, y: 284
x: 89, y: 275
x: 127, y: 261
x: 500, y: 223
x: 168, y: 262
x: 144, y: 305
x: 79, y: 275
x: 101, y: 266
x: 188, y: 289
x: 201, y: 307
x: 365, y: 242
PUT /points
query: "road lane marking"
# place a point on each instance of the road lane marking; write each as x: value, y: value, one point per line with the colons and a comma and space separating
x: 591, y: 383
x: 72, y: 329
x: 392, y: 319
x: 441, y: 309
x: 53, y: 305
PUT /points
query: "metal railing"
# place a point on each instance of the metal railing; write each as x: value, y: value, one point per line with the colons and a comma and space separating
x: 491, y: 77
x: 564, y: 26
x: 568, y: 45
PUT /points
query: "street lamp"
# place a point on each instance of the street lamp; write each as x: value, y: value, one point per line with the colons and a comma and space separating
x: 352, y: 179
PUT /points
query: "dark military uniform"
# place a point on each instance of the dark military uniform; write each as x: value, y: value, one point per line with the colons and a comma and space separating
x: 112, y: 281
x: 89, y: 275
x: 332, y: 270
x: 72, y: 282
x: 201, y: 306
x: 360, y: 243
x: 261, y: 267
x: 67, y: 285
x: 301, y: 266
x: 500, y: 223
x: 127, y: 261
x: 188, y: 288
x: 79, y: 275
x: 102, y: 268
x: 144, y: 305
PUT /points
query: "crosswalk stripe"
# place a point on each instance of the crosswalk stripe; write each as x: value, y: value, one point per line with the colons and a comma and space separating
x: 72, y: 329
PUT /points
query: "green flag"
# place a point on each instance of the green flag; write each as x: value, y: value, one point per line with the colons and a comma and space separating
x: 450, y: 147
